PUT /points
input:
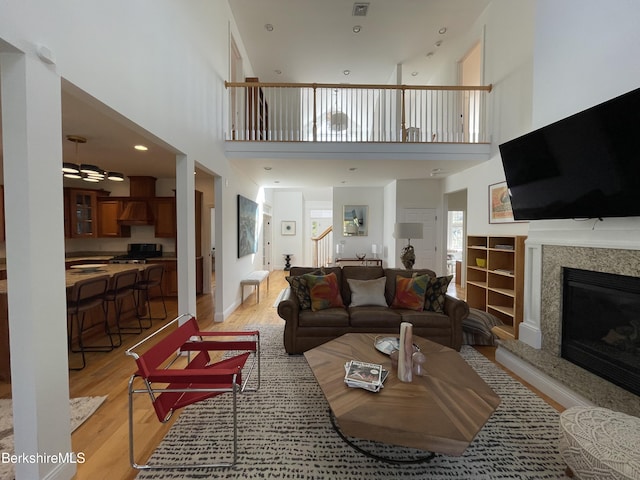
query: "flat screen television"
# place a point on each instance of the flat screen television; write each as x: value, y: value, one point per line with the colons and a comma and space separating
x: 584, y: 166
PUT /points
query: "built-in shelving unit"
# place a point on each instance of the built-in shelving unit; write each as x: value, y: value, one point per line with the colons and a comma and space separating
x: 495, y: 279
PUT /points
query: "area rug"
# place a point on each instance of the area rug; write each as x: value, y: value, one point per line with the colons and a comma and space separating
x: 81, y: 409
x: 285, y: 433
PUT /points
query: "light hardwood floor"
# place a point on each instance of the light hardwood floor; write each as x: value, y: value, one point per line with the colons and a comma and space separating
x: 103, y: 438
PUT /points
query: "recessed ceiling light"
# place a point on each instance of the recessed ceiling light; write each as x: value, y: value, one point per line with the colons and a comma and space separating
x: 276, y: 181
x: 429, y: 54
x: 353, y: 169
x: 268, y: 27
x: 267, y: 168
x: 357, y: 28
x: 278, y: 72
x: 347, y: 72
x: 142, y: 148
x: 414, y: 74
x: 438, y: 43
x: 442, y: 31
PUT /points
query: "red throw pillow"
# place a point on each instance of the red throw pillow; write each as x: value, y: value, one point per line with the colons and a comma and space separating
x: 410, y: 292
x: 324, y: 291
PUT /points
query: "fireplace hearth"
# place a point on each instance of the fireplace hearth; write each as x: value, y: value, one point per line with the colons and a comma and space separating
x: 601, y: 325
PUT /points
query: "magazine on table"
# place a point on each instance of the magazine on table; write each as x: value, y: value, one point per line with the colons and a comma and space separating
x: 369, y: 376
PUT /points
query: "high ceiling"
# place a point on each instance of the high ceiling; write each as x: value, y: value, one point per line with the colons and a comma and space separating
x: 314, y: 40
x: 311, y: 41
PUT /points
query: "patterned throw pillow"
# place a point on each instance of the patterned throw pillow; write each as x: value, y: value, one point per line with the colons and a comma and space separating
x: 301, y: 291
x: 324, y: 291
x: 410, y: 292
x: 435, y: 295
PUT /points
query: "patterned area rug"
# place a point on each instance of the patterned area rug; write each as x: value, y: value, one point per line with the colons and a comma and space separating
x: 81, y: 409
x: 285, y: 433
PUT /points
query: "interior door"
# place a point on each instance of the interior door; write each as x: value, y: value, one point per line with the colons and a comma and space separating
x: 425, y: 248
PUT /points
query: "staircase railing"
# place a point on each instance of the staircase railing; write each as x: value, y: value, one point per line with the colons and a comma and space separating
x: 315, y: 112
x: 322, y: 248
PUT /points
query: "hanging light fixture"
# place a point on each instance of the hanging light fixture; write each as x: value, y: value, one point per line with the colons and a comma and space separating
x: 86, y: 171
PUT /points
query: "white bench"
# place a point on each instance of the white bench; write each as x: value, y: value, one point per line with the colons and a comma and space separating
x: 255, y: 278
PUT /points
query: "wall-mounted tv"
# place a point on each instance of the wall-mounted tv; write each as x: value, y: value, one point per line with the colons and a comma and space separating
x: 584, y: 166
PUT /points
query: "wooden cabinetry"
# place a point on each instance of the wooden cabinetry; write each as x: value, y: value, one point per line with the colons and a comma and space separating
x: 495, y: 279
x: 257, y: 112
x: 165, y: 217
x: 109, y: 209
x: 81, y: 208
x: 170, y: 276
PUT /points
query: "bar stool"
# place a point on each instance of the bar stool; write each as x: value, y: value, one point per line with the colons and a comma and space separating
x: 122, y: 286
x: 87, y: 295
x: 151, y: 278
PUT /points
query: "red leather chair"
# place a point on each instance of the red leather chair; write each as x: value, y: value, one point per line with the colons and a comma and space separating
x: 173, y: 380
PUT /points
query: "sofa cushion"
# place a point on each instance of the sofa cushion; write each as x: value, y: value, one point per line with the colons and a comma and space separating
x: 329, y: 317
x: 436, y: 293
x: 367, y: 292
x: 410, y: 292
x: 375, y: 318
x: 324, y: 291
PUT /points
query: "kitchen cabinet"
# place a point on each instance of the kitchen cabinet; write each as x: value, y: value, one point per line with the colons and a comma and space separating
x: 80, y: 209
x: 495, y: 279
x: 170, y: 276
x: 109, y: 209
x: 165, y: 217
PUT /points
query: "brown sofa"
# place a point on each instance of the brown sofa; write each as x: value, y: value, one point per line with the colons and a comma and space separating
x: 306, y: 329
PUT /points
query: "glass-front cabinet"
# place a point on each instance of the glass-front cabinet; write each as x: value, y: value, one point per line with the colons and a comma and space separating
x: 81, y: 213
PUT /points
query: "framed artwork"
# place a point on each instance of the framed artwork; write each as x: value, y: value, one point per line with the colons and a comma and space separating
x: 499, y: 204
x: 288, y: 227
x: 247, y: 226
x: 355, y: 220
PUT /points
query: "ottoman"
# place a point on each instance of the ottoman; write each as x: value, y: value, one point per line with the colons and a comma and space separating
x: 600, y: 444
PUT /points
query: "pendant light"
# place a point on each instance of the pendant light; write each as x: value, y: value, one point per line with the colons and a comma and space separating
x: 86, y: 171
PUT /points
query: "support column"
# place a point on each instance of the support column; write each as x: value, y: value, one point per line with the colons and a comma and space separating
x: 185, y: 242
x: 529, y: 330
x: 32, y: 152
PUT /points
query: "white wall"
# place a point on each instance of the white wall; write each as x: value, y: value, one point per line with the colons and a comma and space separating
x: 578, y: 72
x: 507, y: 31
x: 166, y: 75
x: 390, y: 209
x: 373, y: 197
x: 289, y: 206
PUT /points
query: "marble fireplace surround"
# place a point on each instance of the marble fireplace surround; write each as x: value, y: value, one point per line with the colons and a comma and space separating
x: 536, y: 356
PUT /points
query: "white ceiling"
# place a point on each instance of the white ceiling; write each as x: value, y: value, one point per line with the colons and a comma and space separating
x: 312, y: 41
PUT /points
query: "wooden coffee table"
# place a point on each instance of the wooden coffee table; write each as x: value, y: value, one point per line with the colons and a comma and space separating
x: 440, y: 412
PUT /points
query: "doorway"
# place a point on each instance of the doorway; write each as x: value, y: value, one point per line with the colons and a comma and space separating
x: 456, y: 234
x: 425, y: 247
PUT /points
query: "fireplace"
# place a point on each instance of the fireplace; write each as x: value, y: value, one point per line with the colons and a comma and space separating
x: 601, y: 325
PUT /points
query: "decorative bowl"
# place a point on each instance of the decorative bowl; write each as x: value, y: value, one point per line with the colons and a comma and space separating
x: 481, y: 262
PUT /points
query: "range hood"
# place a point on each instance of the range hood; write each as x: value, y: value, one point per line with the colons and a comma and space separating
x: 138, y: 209
x: 137, y: 212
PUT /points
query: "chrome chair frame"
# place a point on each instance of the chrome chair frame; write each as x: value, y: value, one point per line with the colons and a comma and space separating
x: 183, y: 342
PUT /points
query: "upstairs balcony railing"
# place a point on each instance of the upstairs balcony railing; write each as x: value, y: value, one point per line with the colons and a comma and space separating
x: 314, y: 112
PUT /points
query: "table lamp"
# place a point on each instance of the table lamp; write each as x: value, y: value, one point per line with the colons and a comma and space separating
x: 408, y: 231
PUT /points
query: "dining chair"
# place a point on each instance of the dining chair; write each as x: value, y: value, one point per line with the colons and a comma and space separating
x: 85, y: 296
